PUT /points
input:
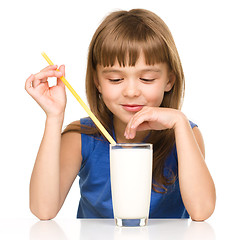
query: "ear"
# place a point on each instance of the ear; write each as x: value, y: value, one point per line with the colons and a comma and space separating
x: 96, y: 81
x: 171, y: 81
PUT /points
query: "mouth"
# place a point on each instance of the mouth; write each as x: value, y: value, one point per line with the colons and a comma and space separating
x: 132, y: 107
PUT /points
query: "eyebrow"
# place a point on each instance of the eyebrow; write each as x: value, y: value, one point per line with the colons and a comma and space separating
x: 113, y: 70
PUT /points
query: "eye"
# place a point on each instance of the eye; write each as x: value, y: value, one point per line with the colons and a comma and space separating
x: 115, y: 79
x: 147, y: 79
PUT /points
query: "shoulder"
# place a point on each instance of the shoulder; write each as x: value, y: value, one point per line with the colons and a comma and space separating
x: 71, y: 137
x: 77, y: 122
x: 72, y: 127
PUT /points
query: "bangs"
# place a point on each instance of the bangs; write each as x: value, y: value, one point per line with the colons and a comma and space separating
x: 124, y: 43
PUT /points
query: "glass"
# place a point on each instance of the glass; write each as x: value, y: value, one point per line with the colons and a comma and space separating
x: 131, y: 179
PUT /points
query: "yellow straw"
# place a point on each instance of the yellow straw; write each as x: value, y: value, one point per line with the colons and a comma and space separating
x: 92, y: 116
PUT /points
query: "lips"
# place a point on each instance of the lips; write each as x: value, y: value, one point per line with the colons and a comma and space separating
x: 132, y: 107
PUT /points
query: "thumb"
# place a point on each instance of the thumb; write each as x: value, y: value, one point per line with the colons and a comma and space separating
x: 62, y: 70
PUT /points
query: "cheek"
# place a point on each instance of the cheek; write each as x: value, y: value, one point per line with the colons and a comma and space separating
x: 109, y: 94
x: 155, y: 97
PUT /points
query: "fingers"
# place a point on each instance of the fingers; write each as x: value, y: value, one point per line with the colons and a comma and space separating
x: 153, y: 118
x: 49, y: 67
x: 145, y: 119
x: 54, y: 67
x: 44, y: 75
x: 41, y: 77
x: 36, y: 79
x: 28, y: 83
x: 136, y: 123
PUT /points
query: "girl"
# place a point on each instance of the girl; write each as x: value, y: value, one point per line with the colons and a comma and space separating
x: 135, y: 87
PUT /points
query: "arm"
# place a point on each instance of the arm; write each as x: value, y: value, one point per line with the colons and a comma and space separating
x: 56, y: 167
x: 59, y: 158
x: 196, y: 184
x: 44, y: 183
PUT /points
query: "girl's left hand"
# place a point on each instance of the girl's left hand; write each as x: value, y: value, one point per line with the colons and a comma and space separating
x: 152, y: 118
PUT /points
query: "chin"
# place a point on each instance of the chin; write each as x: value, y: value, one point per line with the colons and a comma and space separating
x: 123, y: 119
x: 122, y: 115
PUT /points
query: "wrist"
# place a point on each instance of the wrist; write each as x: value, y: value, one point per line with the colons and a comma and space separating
x: 181, y: 120
x: 55, y: 119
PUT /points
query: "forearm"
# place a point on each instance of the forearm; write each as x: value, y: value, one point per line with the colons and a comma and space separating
x: 44, y: 184
x: 196, y: 184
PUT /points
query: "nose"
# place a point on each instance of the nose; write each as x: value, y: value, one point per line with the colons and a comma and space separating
x: 131, y: 89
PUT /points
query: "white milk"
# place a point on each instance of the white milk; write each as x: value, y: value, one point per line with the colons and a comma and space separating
x: 131, y: 178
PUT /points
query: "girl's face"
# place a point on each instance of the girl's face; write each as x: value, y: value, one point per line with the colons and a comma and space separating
x: 126, y: 90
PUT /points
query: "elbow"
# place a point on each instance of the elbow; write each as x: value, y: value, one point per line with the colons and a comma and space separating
x: 200, y: 217
x: 45, y: 217
x: 202, y: 214
x: 43, y: 214
x: 204, y: 209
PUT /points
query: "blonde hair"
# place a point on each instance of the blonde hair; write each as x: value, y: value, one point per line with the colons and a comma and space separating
x: 122, y: 36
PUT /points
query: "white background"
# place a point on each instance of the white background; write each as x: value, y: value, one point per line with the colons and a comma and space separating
x: 210, y: 39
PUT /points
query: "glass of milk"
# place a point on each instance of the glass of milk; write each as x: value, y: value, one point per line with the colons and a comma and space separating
x: 131, y: 179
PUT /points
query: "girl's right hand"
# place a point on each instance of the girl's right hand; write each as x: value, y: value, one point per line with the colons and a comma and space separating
x: 51, y: 99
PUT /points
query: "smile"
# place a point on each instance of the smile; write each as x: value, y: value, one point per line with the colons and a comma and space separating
x: 132, y: 108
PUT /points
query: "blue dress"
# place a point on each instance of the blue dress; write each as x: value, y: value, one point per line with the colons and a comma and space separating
x: 95, y: 186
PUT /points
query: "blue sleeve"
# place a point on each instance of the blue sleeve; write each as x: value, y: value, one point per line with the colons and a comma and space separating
x: 87, y: 121
x: 192, y: 124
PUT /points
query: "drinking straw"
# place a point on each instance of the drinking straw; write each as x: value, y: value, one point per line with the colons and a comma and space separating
x: 86, y: 108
